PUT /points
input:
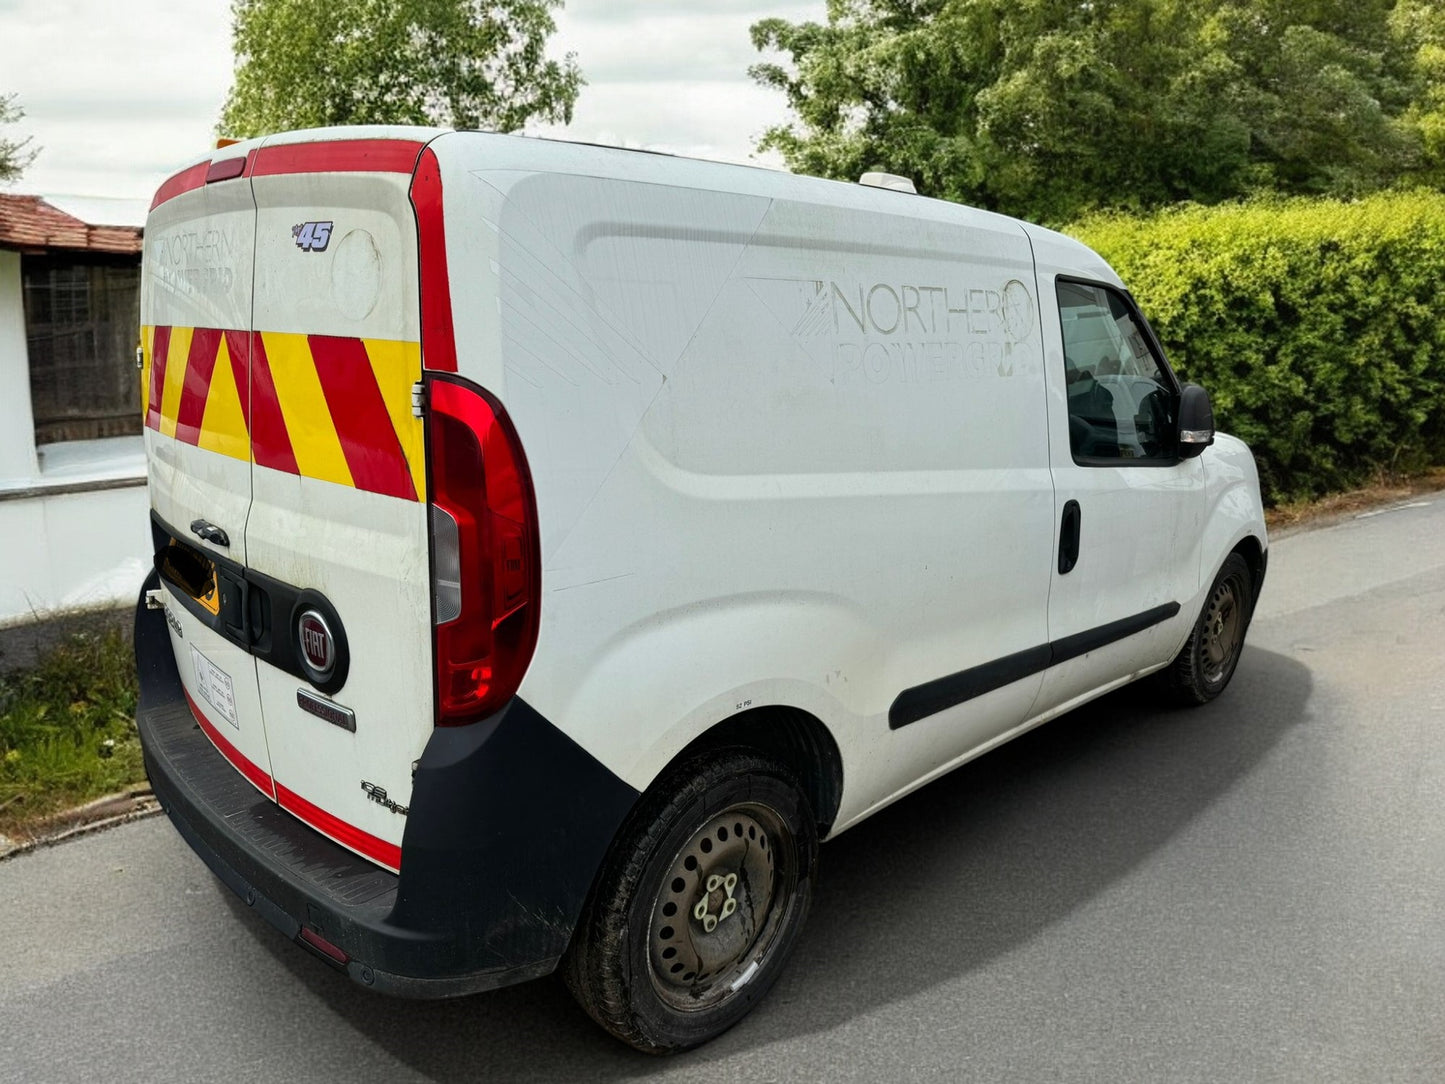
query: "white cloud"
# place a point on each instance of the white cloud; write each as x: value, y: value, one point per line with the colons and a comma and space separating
x: 116, y: 95
x: 663, y: 77
x: 119, y: 94
x: 659, y: 40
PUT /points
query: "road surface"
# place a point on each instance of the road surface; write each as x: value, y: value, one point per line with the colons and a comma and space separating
x: 1250, y: 891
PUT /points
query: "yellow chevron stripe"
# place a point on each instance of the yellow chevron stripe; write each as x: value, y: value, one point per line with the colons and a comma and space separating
x: 397, y: 366
x: 308, y: 419
x: 223, y: 426
x: 147, y: 343
x: 176, y: 359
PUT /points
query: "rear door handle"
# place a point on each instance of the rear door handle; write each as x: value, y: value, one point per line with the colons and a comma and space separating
x: 210, y: 533
x: 1069, y: 537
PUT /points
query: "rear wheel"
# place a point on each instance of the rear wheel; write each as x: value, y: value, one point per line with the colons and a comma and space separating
x: 699, y: 904
x: 1207, y: 661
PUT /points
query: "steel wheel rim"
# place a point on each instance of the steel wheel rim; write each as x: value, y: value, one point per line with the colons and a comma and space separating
x: 721, y: 906
x: 1223, y: 630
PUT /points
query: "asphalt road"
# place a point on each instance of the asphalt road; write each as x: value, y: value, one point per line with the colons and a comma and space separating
x: 1250, y: 891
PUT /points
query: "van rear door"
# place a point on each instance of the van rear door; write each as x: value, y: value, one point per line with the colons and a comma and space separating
x: 337, y: 534
x: 196, y: 286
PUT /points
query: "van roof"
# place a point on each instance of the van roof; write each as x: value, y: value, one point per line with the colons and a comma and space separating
x: 1052, y: 249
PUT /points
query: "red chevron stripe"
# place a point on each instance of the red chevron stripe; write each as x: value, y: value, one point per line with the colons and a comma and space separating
x: 160, y: 347
x: 368, y: 439
x: 270, y: 443
x: 256, y: 775
x: 338, y: 156
x: 184, y: 181
x: 238, y: 347
x: 438, y: 338
x: 200, y: 365
x: 378, y: 850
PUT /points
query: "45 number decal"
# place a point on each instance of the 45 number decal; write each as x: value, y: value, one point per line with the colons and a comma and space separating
x: 312, y: 236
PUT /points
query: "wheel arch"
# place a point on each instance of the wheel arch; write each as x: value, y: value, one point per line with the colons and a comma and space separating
x: 1257, y: 558
x: 796, y: 738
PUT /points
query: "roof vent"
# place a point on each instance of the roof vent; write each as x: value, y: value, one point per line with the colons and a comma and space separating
x: 890, y: 181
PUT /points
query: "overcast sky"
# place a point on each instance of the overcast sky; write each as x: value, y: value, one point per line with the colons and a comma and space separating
x: 117, y: 93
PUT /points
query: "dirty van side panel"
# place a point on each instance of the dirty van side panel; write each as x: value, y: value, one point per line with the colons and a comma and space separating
x: 195, y: 315
x: 339, y: 479
x: 883, y: 448
x: 785, y: 452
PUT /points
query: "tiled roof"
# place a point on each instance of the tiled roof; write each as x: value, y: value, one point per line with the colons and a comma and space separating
x: 30, y: 224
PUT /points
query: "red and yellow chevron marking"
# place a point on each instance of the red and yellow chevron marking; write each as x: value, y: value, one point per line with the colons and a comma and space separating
x: 320, y: 406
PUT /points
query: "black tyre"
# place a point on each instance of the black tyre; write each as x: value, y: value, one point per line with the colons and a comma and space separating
x: 698, y: 904
x: 1207, y: 661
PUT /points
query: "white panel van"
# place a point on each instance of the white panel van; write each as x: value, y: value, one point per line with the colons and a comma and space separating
x: 553, y: 543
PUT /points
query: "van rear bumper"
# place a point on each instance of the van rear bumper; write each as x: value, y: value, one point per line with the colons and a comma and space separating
x: 509, y: 821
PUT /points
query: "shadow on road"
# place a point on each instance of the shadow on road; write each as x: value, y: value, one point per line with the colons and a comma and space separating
x: 934, y: 886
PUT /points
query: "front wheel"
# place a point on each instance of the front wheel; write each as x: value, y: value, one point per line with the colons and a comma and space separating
x: 1207, y: 661
x: 699, y: 904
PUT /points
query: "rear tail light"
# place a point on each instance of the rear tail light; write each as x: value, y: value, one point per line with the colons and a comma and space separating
x: 486, y: 561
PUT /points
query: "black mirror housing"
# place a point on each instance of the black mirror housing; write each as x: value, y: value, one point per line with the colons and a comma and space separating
x: 1196, y: 421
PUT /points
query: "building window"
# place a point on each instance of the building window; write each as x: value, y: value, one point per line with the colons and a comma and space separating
x: 82, y: 324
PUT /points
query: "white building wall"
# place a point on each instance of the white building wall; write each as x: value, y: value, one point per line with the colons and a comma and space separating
x: 73, y: 516
x: 17, y: 426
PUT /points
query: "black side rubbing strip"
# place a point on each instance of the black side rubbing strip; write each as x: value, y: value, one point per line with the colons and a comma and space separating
x: 934, y: 696
x: 1081, y: 643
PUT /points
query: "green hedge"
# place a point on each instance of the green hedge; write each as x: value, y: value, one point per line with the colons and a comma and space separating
x: 1317, y: 326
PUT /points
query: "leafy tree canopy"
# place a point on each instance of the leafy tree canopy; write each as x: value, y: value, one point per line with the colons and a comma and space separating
x: 1419, y: 29
x: 1048, y: 109
x: 462, y: 63
x: 15, y: 154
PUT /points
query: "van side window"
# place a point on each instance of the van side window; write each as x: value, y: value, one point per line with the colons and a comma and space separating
x: 1122, y: 400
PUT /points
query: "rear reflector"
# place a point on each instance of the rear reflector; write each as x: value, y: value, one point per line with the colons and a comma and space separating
x: 486, y: 559
x: 318, y: 944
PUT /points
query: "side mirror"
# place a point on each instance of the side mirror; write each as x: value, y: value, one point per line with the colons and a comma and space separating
x: 1196, y: 421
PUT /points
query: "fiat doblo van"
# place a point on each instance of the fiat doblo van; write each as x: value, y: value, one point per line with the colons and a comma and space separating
x: 553, y: 543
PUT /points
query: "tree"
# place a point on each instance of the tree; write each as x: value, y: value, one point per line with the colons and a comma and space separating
x: 15, y: 154
x: 461, y: 63
x: 1047, y: 109
x: 1419, y: 31
x: 1319, y: 87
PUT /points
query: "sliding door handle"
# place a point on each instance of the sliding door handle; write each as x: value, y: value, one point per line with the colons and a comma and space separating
x: 1069, y: 537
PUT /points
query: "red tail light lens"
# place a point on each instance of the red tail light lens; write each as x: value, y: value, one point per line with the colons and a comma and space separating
x: 486, y: 558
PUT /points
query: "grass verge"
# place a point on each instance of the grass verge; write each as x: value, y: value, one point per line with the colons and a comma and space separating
x: 67, y: 730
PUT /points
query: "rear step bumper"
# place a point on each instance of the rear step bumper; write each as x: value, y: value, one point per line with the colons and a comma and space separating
x: 508, y: 823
